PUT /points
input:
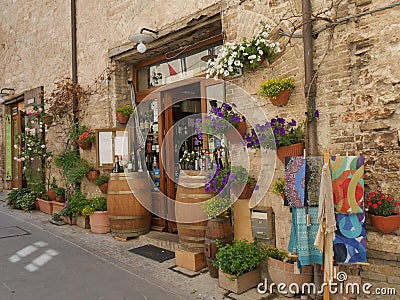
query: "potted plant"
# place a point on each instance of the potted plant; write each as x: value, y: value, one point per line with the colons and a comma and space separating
x: 73, y: 207
x: 243, y: 184
x: 97, y: 212
x: 281, y: 268
x: 60, y: 194
x: 92, y: 175
x: 238, y: 266
x: 51, y: 192
x: 124, y: 113
x: 277, y: 90
x: 278, y: 187
x: 73, y: 167
x: 289, y: 137
x: 381, y: 211
x: 86, y: 139
x: 219, y: 122
x: 102, y: 183
x: 247, y: 53
x: 218, y: 228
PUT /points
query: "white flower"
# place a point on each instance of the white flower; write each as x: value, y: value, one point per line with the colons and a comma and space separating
x: 32, y: 158
x: 253, y: 56
x: 32, y: 122
x: 43, y: 146
x: 260, y: 52
x: 49, y: 158
x: 15, y: 158
x: 230, y: 69
x: 22, y: 158
x: 18, y: 160
x: 15, y: 146
x: 38, y: 169
x: 40, y: 130
x: 226, y: 73
x: 30, y: 149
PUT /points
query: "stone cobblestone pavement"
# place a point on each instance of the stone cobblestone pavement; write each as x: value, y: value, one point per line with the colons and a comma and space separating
x: 110, y: 249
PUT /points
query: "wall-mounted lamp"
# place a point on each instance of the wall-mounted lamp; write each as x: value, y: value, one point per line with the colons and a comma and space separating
x: 4, y: 94
x: 141, y: 38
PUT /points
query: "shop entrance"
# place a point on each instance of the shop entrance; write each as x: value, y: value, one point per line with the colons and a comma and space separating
x: 180, y: 106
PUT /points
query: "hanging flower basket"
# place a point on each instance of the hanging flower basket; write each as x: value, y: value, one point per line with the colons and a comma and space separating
x: 122, y: 119
x: 282, y: 99
x: 385, y: 224
x: 291, y: 150
x: 47, y: 119
x: 85, y: 145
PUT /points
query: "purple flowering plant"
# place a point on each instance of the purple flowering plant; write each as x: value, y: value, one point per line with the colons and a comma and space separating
x: 218, y: 120
x: 287, y: 133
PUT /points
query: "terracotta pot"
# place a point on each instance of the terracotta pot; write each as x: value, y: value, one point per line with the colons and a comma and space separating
x: 92, y: 175
x: 282, y: 99
x: 245, y: 193
x: 51, y: 194
x: 385, y: 224
x: 291, y: 150
x: 241, y: 128
x: 122, y: 119
x: 99, y: 222
x: 60, y: 199
x: 235, y: 135
x: 57, y: 206
x: 104, y: 187
x: 86, y: 145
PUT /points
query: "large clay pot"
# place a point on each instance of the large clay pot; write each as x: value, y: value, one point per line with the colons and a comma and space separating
x: 385, y: 224
x: 45, y: 206
x: 291, y: 150
x: 217, y: 229
x: 86, y: 145
x: 99, y: 222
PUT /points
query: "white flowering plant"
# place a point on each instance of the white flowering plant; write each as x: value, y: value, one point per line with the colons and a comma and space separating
x: 31, y: 150
x: 249, y: 53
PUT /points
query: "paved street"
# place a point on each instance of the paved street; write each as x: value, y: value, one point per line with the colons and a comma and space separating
x: 36, y: 264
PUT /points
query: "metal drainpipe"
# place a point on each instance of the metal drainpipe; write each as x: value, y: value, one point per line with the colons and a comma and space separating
x: 309, y: 86
x: 74, y: 58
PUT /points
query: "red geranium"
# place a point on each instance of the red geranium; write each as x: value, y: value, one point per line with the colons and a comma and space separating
x: 86, y: 137
x: 380, y: 204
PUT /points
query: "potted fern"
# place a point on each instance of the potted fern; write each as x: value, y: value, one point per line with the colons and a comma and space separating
x: 124, y: 113
x: 238, y: 266
x: 277, y: 90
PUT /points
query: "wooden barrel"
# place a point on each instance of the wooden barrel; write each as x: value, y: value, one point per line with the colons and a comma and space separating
x: 128, y: 218
x: 217, y: 229
x: 191, y: 235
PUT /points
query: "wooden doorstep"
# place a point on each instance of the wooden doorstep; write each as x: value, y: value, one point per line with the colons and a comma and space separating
x: 193, y: 261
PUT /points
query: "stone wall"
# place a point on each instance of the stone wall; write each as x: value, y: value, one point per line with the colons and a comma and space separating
x: 357, y: 65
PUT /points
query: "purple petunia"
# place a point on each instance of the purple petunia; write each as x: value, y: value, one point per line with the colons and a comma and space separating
x: 316, y: 113
x: 292, y: 123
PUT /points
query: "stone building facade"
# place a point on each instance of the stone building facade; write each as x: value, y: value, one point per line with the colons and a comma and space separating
x: 356, y: 63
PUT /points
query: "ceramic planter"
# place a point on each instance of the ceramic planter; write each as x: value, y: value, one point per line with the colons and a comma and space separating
x: 385, y: 224
x: 51, y: 194
x: 99, y: 222
x: 45, y: 206
x: 291, y: 150
x: 240, y: 284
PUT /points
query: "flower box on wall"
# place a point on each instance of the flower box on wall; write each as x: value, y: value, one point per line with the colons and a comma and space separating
x: 57, y: 206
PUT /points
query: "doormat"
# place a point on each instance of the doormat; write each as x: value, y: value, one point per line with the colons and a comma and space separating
x: 153, y: 252
x: 12, y: 231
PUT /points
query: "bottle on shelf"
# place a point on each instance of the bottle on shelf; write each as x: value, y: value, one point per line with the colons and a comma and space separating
x: 117, y: 167
x: 155, y: 164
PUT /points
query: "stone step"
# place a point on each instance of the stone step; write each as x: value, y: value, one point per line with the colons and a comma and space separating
x: 169, y: 241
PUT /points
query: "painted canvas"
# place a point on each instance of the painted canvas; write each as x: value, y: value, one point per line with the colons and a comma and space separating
x: 348, y: 183
x: 350, y: 241
x: 295, y: 176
